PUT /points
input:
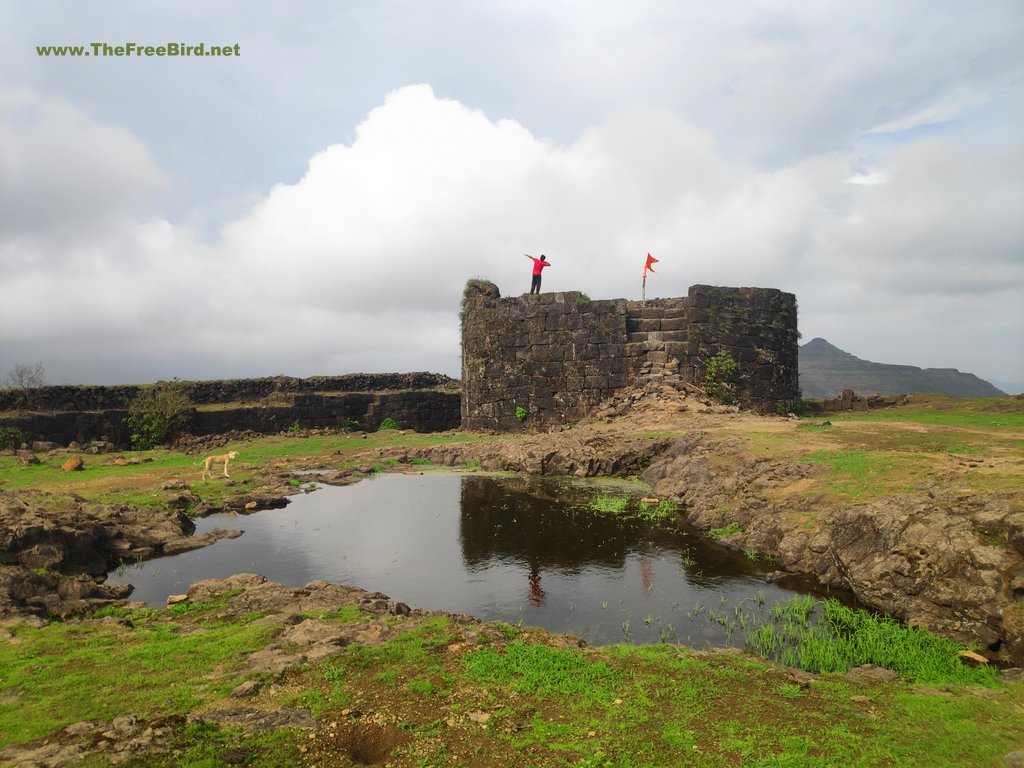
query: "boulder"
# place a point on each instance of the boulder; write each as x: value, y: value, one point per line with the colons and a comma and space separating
x: 27, y: 457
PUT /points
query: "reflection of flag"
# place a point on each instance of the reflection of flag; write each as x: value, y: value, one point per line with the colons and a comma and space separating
x: 650, y: 260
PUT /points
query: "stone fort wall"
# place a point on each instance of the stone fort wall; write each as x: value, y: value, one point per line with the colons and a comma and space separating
x: 425, y: 402
x: 555, y: 356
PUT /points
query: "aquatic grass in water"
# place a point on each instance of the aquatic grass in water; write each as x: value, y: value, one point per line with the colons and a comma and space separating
x: 609, y: 505
x: 663, y: 511
x: 844, y: 638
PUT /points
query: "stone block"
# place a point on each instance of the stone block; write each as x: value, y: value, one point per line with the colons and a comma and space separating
x: 677, y: 349
x: 651, y: 312
x: 648, y: 324
x: 636, y: 349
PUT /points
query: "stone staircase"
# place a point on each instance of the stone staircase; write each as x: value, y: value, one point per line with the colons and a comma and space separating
x: 657, y: 340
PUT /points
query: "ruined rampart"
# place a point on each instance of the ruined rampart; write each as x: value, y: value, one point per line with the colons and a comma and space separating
x: 425, y: 402
x: 551, y: 358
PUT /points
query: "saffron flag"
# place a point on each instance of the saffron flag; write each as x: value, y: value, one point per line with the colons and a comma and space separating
x: 650, y: 260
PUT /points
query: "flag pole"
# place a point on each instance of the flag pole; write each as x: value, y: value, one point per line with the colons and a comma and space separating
x: 643, y: 286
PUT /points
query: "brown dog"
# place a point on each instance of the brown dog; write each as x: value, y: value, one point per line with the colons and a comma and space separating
x: 222, y: 459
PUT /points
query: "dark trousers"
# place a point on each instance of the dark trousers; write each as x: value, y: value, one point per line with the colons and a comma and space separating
x: 535, y: 285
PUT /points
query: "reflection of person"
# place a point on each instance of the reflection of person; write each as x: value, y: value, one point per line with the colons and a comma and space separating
x: 536, y: 593
x: 646, y: 575
x: 538, y: 267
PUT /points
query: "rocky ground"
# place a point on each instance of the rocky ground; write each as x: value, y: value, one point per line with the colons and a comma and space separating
x: 297, y: 641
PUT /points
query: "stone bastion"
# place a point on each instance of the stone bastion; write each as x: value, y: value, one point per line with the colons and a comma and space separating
x: 552, y: 358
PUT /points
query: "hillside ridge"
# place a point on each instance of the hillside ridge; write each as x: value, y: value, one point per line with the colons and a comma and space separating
x: 826, y: 370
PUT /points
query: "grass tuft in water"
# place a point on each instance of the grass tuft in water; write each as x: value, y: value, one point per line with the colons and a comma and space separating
x: 609, y: 505
x: 664, y: 511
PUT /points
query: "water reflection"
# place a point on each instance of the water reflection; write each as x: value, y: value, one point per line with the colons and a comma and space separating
x: 511, y: 548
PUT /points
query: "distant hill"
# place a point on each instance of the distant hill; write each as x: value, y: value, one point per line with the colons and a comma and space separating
x: 825, y: 371
x: 1009, y: 387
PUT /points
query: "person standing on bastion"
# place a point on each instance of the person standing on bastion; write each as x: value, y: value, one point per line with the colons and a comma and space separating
x: 538, y: 267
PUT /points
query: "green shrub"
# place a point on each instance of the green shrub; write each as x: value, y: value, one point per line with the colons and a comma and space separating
x: 388, y: 423
x: 158, y: 414
x: 11, y: 438
x: 719, y: 375
x: 521, y: 413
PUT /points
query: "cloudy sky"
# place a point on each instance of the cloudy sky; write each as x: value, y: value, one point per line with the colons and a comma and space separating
x: 316, y: 204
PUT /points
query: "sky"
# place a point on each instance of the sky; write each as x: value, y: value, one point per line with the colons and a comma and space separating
x: 316, y: 203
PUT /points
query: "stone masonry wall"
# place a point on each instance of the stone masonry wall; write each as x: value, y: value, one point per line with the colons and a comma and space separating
x: 758, y: 328
x: 98, y: 398
x: 554, y: 357
x: 84, y: 414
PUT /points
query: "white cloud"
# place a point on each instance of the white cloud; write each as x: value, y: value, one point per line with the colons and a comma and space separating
x: 360, y: 264
x: 63, y: 174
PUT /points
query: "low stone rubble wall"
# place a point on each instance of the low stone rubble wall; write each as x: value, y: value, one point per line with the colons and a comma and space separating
x: 850, y: 401
x: 100, y: 398
x: 360, y: 401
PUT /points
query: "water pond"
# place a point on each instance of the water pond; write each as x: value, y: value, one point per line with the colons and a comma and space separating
x: 516, y: 549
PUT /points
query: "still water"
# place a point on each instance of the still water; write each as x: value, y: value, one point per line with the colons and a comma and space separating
x: 514, y: 549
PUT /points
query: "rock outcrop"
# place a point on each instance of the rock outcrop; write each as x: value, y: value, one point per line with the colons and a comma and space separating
x: 948, y: 561
x: 55, y: 564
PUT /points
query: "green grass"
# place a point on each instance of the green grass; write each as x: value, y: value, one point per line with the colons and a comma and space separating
x: 48, y: 474
x: 605, y: 504
x: 66, y: 673
x: 541, y: 670
x: 626, y: 706
x: 845, y: 638
x: 142, y: 483
x: 859, y: 474
x: 205, y: 745
x: 980, y: 413
x: 728, y: 530
x: 664, y: 511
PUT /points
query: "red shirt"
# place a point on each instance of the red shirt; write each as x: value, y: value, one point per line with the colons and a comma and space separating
x: 538, y: 265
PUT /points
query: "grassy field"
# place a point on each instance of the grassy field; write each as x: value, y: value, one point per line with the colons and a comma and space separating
x: 140, y: 482
x: 972, y: 445
x: 443, y: 694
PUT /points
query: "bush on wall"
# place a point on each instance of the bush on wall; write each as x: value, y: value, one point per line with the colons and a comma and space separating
x: 719, y: 374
